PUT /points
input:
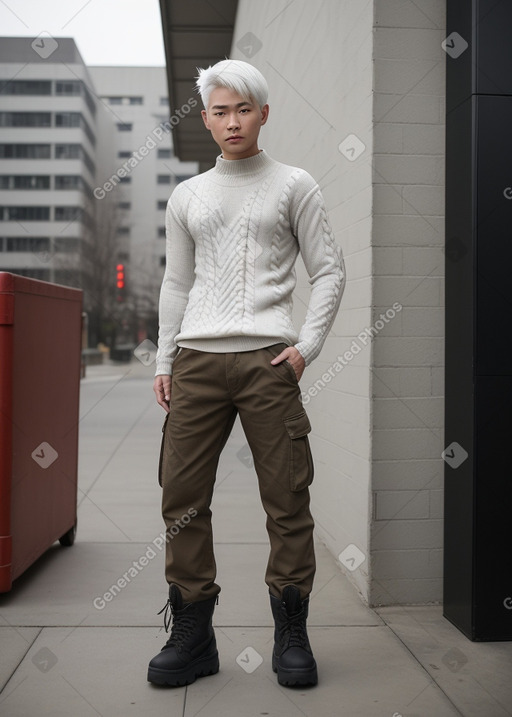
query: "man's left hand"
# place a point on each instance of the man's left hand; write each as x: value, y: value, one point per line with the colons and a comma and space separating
x: 294, y: 358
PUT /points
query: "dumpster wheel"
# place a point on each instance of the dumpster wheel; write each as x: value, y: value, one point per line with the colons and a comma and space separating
x: 68, y: 538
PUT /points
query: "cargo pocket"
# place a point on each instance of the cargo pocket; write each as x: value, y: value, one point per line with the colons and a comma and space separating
x: 301, y: 460
x: 161, y: 460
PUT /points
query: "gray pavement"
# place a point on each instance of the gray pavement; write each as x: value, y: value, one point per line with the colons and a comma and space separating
x: 70, y: 647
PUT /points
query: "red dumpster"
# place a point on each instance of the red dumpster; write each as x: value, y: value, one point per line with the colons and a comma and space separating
x: 40, y: 347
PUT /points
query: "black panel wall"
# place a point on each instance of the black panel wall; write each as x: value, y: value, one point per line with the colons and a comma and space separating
x: 478, y: 376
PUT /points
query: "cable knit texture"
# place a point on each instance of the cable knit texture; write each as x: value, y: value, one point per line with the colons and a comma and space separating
x: 233, y: 235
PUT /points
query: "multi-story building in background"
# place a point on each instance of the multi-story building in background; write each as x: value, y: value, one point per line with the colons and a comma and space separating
x: 66, y: 132
x: 145, y: 170
x: 48, y: 149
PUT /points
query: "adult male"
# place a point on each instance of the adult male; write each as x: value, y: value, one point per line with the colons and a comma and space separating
x: 227, y: 346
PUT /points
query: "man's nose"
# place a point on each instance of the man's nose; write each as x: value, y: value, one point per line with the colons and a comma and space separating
x: 233, y: 121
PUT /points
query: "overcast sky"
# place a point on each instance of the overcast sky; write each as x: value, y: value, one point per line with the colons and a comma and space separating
x: 107, y: 32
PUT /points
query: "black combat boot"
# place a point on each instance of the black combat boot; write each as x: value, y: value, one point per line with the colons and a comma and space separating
x: 292, y: 657
x: 191, y: 650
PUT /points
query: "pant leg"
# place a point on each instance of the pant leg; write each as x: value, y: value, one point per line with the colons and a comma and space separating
x: 200, y: 420
x: 276, y: 426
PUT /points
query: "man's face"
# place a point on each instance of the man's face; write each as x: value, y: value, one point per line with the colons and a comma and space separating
x: 234, y: 123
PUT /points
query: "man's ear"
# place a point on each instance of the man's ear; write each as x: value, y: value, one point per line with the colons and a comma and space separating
x: 204, y: 115
x: 264, y: 114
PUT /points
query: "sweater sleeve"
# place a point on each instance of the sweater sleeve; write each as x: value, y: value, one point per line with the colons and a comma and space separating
x: 324, y: 263
x: 177, y: 282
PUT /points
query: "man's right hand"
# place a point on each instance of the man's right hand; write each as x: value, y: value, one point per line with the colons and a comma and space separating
x: 162, y: 389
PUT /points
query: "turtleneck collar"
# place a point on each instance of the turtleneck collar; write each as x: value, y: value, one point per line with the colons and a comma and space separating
x: 242, y: 167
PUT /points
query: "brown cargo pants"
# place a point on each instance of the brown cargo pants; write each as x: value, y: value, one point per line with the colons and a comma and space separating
x: 208, y: 390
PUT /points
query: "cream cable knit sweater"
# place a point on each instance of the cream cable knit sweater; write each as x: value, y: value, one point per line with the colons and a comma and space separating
x: 233, y: 235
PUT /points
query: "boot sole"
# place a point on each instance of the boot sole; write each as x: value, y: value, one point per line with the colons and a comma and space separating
x: 202, y: 667
x: 290, y: 678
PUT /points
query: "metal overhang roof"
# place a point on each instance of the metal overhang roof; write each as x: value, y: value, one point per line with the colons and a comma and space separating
x: 197, y: 33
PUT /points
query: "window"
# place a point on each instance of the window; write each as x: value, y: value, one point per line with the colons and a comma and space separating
x: 164, y: 154
x: 76, y: 88
x: 74, y: 119
x: 163, y: 179
x: 67, y: 119
x: 27, y: 87
x: 68, y: 181
x: 68, y: 214
x: 162, y: 261
x: 161, y: 204
x: 25, y: 151
x: 125, y: 180
x: 182, y: 177
x: 124, y: 205
x: 123, y: 231
x: 68, y: 87
x: 74, y: 151
x: 67, y: 151
x: 164, y: 123
x: 161, y: 232
x: 164, y: 101
x: 25, y: 119
x: 24, y: 181
x: 32, y: 181
x: 120, y: 100
x: 124, y: 154
x: 25, y: 214
x: 34, y: 244
x: 124, y: 126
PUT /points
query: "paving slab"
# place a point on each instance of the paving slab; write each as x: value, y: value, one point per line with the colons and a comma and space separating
x: 15, y: 643
x: 362, y: 672
x: 476, y: 675
x: 89, y: 671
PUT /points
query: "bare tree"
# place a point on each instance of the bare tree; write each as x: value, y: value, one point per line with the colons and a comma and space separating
x: 114, y: 316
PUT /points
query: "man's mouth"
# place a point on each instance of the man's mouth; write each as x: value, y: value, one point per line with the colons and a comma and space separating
x: 234, y: 137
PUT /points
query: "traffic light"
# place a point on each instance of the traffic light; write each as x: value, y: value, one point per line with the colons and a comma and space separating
x: 120, y: 282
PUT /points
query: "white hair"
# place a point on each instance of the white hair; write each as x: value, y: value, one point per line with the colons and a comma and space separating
x: 236, y: 75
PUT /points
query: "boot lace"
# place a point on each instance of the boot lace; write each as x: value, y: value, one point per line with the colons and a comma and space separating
x: 183, y: 624
x: 294, y: 631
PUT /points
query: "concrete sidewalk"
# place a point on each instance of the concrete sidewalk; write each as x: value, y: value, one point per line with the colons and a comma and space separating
x: 70, y: 647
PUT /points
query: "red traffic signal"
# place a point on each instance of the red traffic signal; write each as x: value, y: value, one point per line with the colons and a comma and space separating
x: 120, y: 276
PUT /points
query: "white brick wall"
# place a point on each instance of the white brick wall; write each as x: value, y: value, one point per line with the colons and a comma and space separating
x: 408, y: 235
x: 374, y: 69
